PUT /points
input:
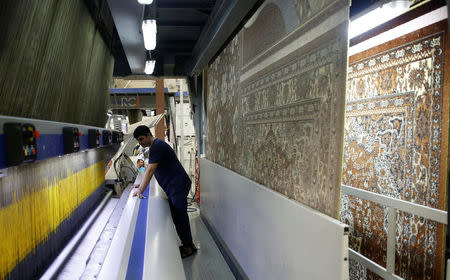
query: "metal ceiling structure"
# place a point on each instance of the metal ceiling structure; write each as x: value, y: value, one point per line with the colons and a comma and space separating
x: 190, y: 33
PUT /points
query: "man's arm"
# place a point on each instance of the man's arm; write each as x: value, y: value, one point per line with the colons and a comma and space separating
x: 146, y: 179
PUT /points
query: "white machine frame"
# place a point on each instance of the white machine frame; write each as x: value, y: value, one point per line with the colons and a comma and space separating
x: 393, y: 205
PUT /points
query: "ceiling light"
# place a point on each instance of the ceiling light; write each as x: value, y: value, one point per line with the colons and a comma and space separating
x: 145, y: 2
x: 149, y: 32
x: 149, y: 67
x: 377, y: 17
x: 149, y: 63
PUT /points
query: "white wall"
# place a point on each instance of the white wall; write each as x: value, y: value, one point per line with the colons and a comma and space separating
x: 270, y: 235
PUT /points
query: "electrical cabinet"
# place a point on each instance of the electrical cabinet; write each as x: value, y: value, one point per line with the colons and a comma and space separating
x: 71, y: 139
x: 20, y: 143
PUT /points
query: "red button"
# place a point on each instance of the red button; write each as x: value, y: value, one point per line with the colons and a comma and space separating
x: 37, y: 134
x: 79, y: 134
x: 34, y: 151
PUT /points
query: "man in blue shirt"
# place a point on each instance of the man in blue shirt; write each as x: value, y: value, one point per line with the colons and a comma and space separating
x: 140, y: 165
x: 173, y: 179
x: 141, y: 170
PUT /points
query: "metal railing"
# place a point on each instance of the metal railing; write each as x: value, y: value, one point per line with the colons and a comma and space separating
x: 392, y: 206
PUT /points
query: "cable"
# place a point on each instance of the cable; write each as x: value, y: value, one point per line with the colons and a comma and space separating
x: 132, y: 170
x: 115, y: 168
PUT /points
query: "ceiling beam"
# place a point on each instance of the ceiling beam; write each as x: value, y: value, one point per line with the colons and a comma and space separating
x: 195, y: 15
x: 226, y: 18
x: 127, y: 17
x: 185, y: 5
x: 181, y: 23
x: 176, y: 46
x: 206, y: 12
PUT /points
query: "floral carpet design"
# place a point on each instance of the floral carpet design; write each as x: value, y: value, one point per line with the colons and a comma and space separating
x: 392, y: 146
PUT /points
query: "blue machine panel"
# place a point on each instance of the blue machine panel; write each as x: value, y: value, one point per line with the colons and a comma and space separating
x: 50, y: 142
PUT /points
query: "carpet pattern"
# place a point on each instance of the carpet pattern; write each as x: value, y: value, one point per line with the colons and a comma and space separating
x: 392, y: 146
x: 275, y: 114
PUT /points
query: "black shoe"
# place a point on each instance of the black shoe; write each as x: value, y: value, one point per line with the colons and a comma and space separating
x: 187, y: 251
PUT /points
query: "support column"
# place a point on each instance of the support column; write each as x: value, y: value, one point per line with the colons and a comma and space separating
x: 160, y: 127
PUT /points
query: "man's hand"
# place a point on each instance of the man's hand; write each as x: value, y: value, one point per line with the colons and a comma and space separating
x: 146, y: 179
x: 138, y: 193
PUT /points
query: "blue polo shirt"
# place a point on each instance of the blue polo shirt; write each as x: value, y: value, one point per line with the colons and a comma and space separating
x: 170, y: 174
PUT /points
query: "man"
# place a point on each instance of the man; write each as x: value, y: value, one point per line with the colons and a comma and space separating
x: 169, y: 172
x: 140, y: 165
x: 141, y: 170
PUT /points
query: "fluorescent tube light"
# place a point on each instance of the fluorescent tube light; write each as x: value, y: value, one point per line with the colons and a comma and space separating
x: 149, y: 67
x: 149, y: 33
x: 145, y: 2
x: 377, y: 17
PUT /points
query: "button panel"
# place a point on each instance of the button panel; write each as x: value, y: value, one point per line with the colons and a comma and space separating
x: 94, y: 138
x: 71, y: 139
x: 20, y: 143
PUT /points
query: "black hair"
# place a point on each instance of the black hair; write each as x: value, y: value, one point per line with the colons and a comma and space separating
x: 139, y: 160
x: 141, y: 130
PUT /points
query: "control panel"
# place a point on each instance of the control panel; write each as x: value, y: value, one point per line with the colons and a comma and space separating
x: 71, y: 139
x: 94, y: 138
x: 20, y: 143
x: 115, y: 137
x: 31, y: 140
x: 107, y: 137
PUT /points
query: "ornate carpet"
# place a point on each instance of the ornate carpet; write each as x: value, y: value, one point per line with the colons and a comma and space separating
x: 393, y: 146
x: 275, y: 100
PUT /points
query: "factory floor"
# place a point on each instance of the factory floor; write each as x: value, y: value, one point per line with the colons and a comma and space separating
x: 208, y: 263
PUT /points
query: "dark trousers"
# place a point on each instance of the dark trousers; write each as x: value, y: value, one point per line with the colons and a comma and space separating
x: 178, y: 209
